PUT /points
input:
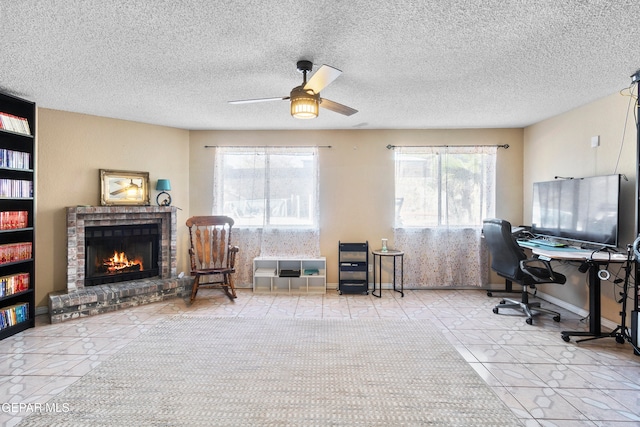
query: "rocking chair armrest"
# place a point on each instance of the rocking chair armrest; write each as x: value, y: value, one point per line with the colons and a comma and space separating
x: 193, y: 259
x: 233, y: 250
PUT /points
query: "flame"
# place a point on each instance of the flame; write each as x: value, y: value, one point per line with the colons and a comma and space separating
x: 119, y: 261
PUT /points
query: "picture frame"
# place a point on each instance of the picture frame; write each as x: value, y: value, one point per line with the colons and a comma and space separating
x: 128, y: 188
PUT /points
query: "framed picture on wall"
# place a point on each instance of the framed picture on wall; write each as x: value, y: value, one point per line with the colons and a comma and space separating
x: 124, y: 187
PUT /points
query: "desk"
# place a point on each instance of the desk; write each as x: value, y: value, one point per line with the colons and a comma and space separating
x: 379, y: 254
x: 594, y: 260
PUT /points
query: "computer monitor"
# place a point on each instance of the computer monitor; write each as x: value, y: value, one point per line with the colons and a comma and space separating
x: 583, y: 210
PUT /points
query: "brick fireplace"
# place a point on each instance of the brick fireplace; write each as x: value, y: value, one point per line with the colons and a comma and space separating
x: 80, y: 299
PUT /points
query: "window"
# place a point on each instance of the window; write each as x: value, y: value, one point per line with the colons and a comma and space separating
x: 444, y: 186
x: 442, y: 196
x: 267, y: 186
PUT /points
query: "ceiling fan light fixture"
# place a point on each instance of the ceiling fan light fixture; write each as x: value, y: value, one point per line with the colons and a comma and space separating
x: 304, y: 104
x: 305, y: 99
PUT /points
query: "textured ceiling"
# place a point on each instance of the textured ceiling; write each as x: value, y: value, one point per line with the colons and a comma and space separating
x: 406, y: 63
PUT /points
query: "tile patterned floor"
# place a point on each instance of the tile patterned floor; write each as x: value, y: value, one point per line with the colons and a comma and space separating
x: 545, y: 381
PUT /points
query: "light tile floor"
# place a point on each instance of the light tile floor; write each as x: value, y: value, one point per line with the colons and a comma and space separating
x: 545, y: 381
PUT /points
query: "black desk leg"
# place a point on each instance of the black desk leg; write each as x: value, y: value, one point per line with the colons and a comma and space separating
x: 595, y: 330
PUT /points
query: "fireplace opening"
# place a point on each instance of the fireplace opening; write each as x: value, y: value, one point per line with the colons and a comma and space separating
x: 121, y: 253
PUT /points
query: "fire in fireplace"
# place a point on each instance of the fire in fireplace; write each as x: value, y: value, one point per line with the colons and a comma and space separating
x: 120, y: 263
x: 121, y: 253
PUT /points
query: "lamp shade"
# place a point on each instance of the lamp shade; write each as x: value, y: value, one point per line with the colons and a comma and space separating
x: 163, y: 185
x: 304, y: 104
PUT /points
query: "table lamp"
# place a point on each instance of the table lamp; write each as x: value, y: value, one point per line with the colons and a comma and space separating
x: 163, y: 198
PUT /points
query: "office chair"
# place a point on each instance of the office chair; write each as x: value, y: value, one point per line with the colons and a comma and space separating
x: 508, y: 260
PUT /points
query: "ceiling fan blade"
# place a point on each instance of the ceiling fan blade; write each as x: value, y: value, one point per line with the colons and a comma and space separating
x: 249, y: 101
x: 338, y: 108
x: 321, y: 78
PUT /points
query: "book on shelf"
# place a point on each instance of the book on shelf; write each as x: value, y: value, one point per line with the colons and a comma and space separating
x: 18, y: 188
x: 13, y: 314
x: 14, y: 123
x: 11, y: 220
x: 14, y: 159
x: 12, y: 252
x: 14, y: 284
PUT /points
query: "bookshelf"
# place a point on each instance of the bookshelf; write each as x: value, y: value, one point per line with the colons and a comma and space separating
x: 17, y: 214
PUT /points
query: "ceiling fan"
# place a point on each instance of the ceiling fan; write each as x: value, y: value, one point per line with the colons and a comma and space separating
x: 305, y: 99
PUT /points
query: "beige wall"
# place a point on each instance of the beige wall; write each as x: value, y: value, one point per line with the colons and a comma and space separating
x: 561, y: 146
x: 71, y: 148
x: 357, y: 176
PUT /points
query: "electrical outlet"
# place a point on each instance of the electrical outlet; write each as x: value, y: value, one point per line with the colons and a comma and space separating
x: 595, y: 141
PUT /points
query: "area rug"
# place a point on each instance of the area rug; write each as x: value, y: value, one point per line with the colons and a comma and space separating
x: 198, y: 371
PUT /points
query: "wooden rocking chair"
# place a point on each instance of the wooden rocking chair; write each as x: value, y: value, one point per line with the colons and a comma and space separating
x: 211, y: 253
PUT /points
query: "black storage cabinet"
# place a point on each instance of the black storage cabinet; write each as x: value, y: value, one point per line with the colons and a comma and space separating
x: 353, y: 268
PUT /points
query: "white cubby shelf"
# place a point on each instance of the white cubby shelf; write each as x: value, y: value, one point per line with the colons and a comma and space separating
x: 268, y: 278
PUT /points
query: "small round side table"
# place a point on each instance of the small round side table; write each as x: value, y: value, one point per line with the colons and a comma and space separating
x: 377, y: 256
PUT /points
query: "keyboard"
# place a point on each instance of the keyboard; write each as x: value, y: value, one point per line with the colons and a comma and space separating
x: 545, y: 242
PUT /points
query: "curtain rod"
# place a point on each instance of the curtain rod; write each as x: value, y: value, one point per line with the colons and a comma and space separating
x: 267, y: 146
x: 391, y: 147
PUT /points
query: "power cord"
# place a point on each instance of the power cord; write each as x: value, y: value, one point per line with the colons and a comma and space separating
x: 626, y: 119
